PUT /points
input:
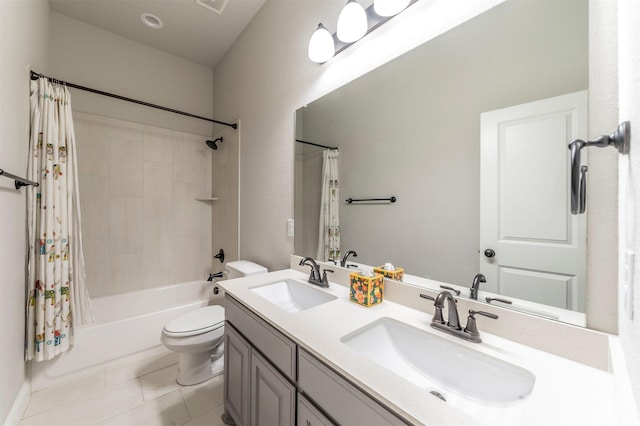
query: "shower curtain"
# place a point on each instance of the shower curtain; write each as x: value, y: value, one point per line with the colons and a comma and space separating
x: 56, y: 299
x: 329, y: 228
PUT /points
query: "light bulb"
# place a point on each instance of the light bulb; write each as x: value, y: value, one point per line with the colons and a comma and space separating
x: 352, y: 22
x: 321, y: 45
x: 390, y: 7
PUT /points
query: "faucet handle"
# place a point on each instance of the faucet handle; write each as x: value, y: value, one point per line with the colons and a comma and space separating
x: 497, y: 299
x: 472, y: 328
x: 472, y: 314
x: 437, y: 315
x: 426, y: 296
x: 324, y: 276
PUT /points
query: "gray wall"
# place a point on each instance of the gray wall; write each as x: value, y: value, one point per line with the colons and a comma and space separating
x: 92, y: 57
x: 23, y: 42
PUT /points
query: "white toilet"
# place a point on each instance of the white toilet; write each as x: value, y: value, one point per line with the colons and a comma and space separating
x: 198, y: 335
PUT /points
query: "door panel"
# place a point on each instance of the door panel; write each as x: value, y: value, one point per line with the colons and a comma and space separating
x: 524, y: 202
x: 546, y: 288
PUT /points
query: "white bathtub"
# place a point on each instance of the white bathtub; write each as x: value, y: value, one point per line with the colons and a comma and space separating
x: 126, y: 324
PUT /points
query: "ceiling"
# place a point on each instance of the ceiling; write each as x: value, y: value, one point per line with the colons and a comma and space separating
x: 190, y: 31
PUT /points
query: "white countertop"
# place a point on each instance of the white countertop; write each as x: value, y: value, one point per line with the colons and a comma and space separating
x: 565, y: 392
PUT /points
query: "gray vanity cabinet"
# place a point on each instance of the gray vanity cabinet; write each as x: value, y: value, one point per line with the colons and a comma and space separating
x: 267, y: 376
x: 273, y: 398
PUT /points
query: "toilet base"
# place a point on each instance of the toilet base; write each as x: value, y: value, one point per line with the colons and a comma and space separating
x: 198, y: 368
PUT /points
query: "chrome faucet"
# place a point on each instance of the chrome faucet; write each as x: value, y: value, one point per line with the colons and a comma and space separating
x: 343, y: 262
x: 314, y: 276
x: 479, y: 278
x: 452, y: 325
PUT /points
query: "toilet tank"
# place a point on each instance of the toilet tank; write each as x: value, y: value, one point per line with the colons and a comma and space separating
x: 243, y: 268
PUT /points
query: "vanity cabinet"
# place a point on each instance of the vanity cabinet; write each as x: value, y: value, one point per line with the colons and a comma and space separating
x: 267, y: 376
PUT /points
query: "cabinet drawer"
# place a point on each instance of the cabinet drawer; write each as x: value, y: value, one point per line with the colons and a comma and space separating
x: 309, y: 415
x: 337, y: 397
x: 274, y: 345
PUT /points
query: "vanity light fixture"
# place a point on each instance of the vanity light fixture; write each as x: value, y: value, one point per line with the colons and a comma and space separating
x: 352, y: 22
x: 321, y: 46
x: 151, y: 21
x: 390, y: 7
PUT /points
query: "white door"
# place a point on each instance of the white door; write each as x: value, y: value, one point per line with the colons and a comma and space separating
x: 525, y: 218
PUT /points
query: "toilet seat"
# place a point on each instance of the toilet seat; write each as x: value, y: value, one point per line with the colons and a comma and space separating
x: 198, y: 321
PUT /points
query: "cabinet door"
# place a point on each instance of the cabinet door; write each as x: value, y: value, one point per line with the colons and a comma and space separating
x: 273, y: 398
x: 308, y: 415
x: 237, y: 376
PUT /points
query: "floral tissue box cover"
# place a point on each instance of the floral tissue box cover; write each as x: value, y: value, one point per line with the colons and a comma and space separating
x: 366, y: 291
x: 397, y: 274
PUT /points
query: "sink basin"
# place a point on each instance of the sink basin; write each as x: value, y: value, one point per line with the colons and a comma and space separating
x: 292, y: 296
x: 440, y: 366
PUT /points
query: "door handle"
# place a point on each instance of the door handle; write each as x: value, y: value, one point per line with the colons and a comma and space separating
x: 489, y: 253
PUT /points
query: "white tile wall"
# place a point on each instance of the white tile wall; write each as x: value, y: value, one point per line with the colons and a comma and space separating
x: 226, y: 186
x: 142, y: 226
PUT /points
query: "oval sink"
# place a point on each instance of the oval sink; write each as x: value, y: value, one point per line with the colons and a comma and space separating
x: 292, y: 296
x: 436, y: 364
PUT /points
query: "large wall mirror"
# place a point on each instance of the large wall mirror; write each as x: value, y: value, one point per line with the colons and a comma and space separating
x: 469, y: 132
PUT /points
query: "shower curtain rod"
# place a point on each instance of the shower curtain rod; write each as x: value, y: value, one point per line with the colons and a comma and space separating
x: 315, y: 144
x: 35, y: 76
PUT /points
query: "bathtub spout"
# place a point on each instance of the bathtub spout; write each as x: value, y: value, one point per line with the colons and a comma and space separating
x: 216, y: 275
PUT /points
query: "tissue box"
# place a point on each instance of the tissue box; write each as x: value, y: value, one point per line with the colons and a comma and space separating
x: 397, y: 274
x: 366, y: 291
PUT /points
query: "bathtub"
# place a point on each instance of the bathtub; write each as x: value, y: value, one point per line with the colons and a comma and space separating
x: 126, y: 324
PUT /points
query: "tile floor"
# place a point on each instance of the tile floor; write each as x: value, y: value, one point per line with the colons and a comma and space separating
x: 110, y: 398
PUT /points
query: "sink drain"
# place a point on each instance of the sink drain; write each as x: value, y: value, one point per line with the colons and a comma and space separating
x: 438, y: 395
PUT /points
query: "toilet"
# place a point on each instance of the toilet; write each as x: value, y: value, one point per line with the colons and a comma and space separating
x: 197, y: 336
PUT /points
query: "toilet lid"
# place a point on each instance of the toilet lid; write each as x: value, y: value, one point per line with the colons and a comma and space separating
x: 198, y: 321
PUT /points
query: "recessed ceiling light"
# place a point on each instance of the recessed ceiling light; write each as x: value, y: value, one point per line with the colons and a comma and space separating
x: 151, y: 21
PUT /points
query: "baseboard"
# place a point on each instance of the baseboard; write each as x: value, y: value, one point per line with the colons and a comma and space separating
x: 19, y: 405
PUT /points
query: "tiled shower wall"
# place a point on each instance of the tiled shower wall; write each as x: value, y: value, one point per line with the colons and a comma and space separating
x: 226, y: 188
x: 142, y: 225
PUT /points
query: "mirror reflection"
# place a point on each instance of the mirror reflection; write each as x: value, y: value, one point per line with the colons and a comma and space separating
x: 469, y: 132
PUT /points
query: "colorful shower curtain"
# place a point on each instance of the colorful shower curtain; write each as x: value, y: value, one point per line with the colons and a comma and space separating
x: 57, y: 299
x: 329, y: 229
